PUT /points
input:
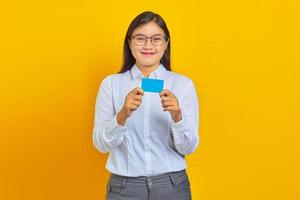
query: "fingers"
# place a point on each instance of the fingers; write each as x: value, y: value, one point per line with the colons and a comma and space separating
x: 168, y: 103
x: 166, y: 93
x: 170, y: 108
x: 167, y: 96
x: 133, y: 105
x: 134, y: 98
x: 165, y: 99
x: 135, y: 102
x: 138, y: 91
x: 137, y: 94
x: 137, y: 97
x: 168, y: 100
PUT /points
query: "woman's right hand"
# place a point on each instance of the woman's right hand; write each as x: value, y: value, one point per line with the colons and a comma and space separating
x: 132, y: 101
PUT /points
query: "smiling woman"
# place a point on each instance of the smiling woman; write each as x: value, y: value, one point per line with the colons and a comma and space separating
x: 147, y: 133
x: 136, y: 44
x: 148, y: 53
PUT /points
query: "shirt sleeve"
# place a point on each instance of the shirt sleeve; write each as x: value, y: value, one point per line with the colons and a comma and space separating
x: 185, y: 131
x: 107, y: 133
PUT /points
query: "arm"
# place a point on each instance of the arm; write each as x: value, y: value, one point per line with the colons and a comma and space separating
x: 185, y: 131
x: 107, y: 133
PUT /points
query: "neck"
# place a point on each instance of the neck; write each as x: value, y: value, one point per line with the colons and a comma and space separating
x: 146, y: 70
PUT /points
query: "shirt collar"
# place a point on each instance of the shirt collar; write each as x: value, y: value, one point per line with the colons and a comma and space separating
x: 156, y: 74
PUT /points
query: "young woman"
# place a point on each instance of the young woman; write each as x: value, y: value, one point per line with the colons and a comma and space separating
x: 147, y: 134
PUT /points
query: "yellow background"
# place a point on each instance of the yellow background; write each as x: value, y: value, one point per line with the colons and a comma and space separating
x: 242, y: 55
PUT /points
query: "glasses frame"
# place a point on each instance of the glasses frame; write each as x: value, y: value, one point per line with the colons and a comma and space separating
x: 164, y: 37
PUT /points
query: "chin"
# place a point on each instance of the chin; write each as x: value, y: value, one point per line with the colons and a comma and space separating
x: 148, y: 64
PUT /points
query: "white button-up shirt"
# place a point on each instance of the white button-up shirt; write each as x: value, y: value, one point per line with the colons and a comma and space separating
x: 150, y: 142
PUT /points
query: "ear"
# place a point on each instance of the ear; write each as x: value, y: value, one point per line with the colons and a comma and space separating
x: 167, y: 42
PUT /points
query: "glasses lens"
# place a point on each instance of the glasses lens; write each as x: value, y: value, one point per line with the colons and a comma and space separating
x: 157, y: 40
x: 140, y: 40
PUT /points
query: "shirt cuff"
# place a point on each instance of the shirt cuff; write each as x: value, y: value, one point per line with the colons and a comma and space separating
x: 179, y: 126
x: 115, y: 128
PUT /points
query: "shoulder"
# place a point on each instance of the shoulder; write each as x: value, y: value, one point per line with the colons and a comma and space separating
x: 179, y: 78
x: 113, y: 78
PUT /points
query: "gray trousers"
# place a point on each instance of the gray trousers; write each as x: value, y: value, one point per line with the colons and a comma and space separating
x: 169, y: 186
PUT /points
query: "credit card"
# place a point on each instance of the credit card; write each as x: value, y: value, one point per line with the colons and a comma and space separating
x: 152, y: 85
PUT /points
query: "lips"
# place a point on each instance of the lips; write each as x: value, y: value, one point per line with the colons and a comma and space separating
x: 147, y: 53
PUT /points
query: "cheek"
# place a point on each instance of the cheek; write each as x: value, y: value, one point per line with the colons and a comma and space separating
x: 160, y: 52
x: 135, y: 51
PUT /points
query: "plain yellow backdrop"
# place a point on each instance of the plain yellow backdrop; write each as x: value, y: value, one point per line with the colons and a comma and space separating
x: 242, y: 55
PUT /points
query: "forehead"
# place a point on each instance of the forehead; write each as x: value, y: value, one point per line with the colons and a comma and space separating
x: 150, y: 28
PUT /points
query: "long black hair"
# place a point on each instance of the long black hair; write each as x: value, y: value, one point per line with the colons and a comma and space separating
x: 141, y: 19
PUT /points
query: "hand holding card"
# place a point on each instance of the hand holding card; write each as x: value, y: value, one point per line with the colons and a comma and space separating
x: 170, y: 103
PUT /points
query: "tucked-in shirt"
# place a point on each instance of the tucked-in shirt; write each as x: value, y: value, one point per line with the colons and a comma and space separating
x: 150, y: 142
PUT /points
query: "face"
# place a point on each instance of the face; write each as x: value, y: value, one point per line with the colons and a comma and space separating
x: 148, y: 55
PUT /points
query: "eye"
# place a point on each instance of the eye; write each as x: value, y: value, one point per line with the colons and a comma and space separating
x: 157, y: 38
x: 140, y: 38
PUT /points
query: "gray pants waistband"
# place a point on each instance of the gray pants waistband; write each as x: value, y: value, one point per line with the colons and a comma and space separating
x: 174, y: 177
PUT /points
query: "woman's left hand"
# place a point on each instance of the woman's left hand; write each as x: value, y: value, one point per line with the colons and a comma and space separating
x: 170, y: 103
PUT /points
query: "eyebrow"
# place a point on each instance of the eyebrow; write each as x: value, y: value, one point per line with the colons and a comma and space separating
x: 139, y: 34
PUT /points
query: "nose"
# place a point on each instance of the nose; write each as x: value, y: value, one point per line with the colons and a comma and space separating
x: 148, y: 43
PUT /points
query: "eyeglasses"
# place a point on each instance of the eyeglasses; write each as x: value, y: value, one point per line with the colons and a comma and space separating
x: 141, y: 40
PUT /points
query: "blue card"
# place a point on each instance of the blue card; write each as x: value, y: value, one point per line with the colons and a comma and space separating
x: 152, y: 85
